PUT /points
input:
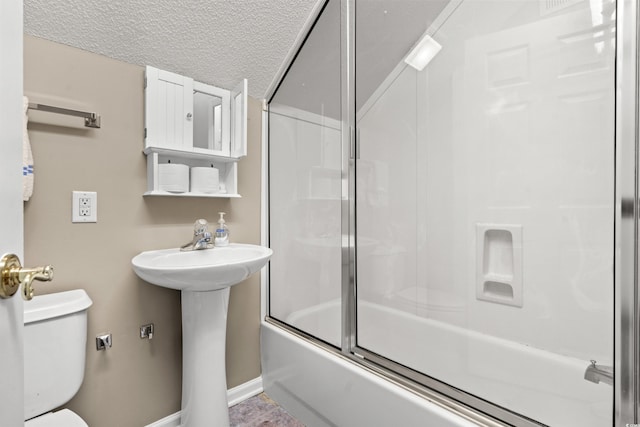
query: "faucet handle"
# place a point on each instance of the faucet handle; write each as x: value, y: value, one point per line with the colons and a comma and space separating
x: 200, y: 226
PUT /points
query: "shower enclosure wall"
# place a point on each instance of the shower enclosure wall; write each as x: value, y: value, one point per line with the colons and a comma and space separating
x: 446, y: 187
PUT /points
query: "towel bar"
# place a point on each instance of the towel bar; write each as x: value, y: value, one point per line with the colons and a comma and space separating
x: 91, y: 120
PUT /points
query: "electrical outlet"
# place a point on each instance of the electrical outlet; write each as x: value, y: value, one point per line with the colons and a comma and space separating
x: 84, y: 206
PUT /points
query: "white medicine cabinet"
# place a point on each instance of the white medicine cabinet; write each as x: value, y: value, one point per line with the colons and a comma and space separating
x: 192, y: 123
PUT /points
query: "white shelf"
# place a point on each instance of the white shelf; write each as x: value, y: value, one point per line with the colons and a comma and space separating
x: 228, y: 171
x: 195, y: 154
x: 212, y: 195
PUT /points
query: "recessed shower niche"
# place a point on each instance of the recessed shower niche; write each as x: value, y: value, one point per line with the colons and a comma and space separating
x: 499, y: 263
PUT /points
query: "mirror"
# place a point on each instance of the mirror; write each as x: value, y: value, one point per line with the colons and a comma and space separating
x: 207, y: 121
x: 210, y: 119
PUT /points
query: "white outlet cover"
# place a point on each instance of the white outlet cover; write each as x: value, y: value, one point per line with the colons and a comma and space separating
x: 89, y: 210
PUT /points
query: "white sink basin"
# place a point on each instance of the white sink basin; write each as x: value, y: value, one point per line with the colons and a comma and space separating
x: 202, y: 270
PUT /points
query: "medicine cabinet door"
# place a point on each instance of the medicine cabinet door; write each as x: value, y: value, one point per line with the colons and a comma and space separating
x: 168, y: 110
x: 239, y: 120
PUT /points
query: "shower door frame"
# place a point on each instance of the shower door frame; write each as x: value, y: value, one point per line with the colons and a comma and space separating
x: 626, y: 329
x: 626, y: 393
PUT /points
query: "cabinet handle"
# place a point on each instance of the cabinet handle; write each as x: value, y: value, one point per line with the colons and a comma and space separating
x: 189, y: 115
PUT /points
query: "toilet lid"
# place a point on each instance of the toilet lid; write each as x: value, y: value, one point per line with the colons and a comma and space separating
x: 63, y: 418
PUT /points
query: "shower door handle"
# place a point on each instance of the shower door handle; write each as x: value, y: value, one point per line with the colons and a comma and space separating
x: 12, y: 275
x: 354, y: 146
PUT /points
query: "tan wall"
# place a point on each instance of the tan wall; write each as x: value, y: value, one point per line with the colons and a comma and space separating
x: 137, y: 381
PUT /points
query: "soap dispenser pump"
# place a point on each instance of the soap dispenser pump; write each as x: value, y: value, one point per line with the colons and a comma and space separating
x: 222, y: 232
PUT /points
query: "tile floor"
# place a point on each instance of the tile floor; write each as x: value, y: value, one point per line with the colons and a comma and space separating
x: 261, y: 411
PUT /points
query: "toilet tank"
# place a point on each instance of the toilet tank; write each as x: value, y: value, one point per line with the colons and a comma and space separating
x: 55, y: 339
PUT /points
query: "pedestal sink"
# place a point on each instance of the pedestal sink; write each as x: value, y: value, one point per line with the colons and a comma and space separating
x: 204, y: 277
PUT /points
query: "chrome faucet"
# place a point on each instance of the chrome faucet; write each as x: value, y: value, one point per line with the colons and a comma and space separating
x: 201, y: 237
x: 596, y: 373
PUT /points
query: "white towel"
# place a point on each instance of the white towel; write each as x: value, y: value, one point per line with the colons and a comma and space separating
x: 27, y: 157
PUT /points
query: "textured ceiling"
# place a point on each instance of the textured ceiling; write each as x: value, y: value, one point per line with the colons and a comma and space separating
x: 217, y: 42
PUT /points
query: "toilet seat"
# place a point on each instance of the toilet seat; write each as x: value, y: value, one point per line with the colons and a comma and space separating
x: 62, y: 418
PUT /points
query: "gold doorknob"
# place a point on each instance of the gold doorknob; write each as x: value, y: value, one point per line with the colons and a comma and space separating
x: 12, y: 274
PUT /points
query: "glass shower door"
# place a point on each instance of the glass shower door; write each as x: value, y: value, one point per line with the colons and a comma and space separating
x: 305, y: 187
x: 485, y: 200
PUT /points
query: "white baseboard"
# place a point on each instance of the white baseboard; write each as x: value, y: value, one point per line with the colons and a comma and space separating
x: 244, y: 391
x: 234, y: 395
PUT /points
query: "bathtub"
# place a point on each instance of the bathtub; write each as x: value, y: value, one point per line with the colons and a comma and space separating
x: 324, y: 389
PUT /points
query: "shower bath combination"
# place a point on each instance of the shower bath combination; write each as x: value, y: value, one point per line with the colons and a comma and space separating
x: 445, y: 191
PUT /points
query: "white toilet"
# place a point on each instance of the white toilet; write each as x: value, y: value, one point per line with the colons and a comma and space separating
x: 55, y: 338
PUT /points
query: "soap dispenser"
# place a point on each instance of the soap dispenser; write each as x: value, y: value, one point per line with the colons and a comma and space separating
x: 222, y: 232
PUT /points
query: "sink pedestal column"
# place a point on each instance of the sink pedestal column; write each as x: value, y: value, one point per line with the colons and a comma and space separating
x: 204, y: 381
